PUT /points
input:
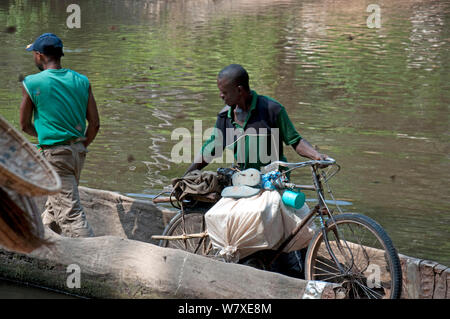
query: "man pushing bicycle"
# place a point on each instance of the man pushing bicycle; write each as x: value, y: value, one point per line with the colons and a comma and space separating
x: 265, y: 125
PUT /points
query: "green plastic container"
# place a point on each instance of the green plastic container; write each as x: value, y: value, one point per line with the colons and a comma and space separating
x: 293, y: 199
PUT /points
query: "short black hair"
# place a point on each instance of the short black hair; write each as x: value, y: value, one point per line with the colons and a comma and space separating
x: 237, y: 74
x: 54, y: 53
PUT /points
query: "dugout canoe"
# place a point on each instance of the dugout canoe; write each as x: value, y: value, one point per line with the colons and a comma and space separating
x: 22, y: 168
x: 124, y: 262
x: 24, y: 173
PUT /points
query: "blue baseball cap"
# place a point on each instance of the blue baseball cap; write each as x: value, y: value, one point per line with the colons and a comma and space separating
x: 46, y: 42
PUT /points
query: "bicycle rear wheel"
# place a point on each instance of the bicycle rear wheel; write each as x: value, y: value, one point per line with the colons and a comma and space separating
x: 367, y: 265
x: 193, y: 223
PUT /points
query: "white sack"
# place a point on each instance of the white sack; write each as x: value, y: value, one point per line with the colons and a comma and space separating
x: 240, y: 227
x: 291, y: 218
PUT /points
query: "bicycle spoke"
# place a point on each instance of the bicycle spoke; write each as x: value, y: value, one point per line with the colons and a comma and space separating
x: 356, y: 261
x: 328, y: 265
x: 355, y: 258
x: 355, y: 290
x: 367, y: 290
x: 332, y: 277
x: 362, y: 288
x: 325, y: 271
x: 362, y: 258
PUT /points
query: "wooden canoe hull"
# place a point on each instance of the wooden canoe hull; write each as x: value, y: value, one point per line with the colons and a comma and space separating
x: 124, y: 262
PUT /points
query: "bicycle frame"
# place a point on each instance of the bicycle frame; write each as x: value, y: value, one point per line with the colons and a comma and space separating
x: 321, y: 209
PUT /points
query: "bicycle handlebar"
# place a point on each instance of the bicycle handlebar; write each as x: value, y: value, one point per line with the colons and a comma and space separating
x: 272, y: 166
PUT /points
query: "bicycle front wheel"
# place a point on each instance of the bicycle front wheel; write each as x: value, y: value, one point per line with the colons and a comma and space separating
x: 358, y: 254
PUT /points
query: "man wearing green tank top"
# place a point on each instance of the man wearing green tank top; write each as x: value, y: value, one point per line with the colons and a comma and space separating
x: 61, y: 101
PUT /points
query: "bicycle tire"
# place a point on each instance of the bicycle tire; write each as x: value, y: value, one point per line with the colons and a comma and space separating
x: 378, y: 278
x: 194, y: 223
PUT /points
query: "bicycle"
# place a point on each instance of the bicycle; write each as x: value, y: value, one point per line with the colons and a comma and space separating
x: 349, y: 249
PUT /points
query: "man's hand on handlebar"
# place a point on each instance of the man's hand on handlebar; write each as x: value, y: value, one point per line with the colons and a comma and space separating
x: 304, y: 148
x: 321, y: 157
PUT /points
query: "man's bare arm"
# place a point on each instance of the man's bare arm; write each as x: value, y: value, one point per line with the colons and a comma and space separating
x: 93, y: 119
x: 26, y: 114
x: 303, y: 148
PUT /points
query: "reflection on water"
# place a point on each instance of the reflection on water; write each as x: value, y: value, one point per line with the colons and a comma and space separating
x: 14, y: 290
x: 374, y: 99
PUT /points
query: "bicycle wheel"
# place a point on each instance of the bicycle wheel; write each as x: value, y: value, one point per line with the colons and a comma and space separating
x: 193, y: 223
x: 368, y: 266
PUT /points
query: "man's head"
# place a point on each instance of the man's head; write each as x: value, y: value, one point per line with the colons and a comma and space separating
x: 233, y: 84
x: 47, y: 48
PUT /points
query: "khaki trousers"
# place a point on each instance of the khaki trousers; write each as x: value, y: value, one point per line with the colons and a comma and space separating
x: 64, y: 213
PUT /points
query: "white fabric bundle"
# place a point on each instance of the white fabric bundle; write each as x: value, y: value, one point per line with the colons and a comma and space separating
x: 240, y: 227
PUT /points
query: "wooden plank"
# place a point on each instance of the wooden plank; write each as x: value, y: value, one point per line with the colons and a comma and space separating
x: 161, y: 199
x: 426, y: 268
x: 181, y: 237
x: 447, y: 271
x: 440, y: 282
x: 412, y: 278
x: 403, y: 265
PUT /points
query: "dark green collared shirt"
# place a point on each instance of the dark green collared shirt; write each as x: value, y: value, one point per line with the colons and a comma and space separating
x: 267, y: 120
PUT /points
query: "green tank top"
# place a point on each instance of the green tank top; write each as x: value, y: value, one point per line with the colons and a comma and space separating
x: 60, y: 98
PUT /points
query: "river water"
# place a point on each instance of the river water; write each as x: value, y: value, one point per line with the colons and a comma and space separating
x: 375, y: 99
x: 15, y: 290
